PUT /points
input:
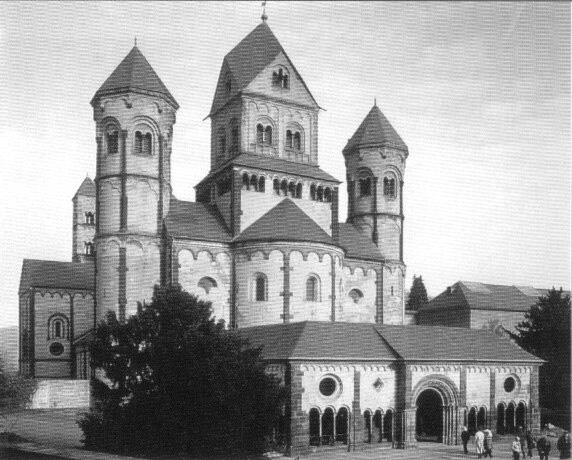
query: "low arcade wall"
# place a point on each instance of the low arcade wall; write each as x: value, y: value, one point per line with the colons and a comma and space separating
x: 61, y: 394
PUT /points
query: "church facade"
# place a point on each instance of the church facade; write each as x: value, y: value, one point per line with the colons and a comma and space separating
x: 263, y: 242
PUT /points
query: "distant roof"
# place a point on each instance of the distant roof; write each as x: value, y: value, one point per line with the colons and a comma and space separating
x: 267, y: 163
x: 87, y: 188
x: 285, y: 222
x: 357, y: 244
x: 57, y: 275
x: 135, y: 74
x: 250, y: 57
x: 198, y: 221
x: 442, y: 343
x: 375, y: 131
x: 480, y: 296
x: 314, y: 340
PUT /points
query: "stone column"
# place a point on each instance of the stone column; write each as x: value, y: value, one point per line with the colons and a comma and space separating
x: 534, y: 399
x: 357, y: 425
x: 298, y: 436
x: 492, y: 402
x: 286, y: 316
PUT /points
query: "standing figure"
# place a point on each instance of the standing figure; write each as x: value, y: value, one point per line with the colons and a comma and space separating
x: 522, y: 437
x: 563, y: 445
x: 480, y: 443
x: 516, y: 449
x: 465, y: 436
x: 543, y: 445
x: 530, y: 442
x: 488, y: 443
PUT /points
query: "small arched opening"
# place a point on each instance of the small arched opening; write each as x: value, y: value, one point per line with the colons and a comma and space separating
x: 500, y: 419
x: 472, y: 421
x: 429, y: 418
x: 482, y: 418
x: 388, y: 425
x: 342, y: 425
x: 520, y: 415
x: 509, y: 418
x: 299, y: 190
x: 254, y: 183
x: 314, y: 427
x: 328, y: 426
x: 367, y: 428
x: 261, y: 184
x: 377, y: 432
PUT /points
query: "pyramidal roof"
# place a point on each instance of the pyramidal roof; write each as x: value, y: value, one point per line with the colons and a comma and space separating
x: 135, y: 74
x: 250, y: 57
x: 375, y: 131
x: 87, y: 188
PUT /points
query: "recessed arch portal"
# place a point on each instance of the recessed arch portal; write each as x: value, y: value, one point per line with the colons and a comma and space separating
x: 429, y: 417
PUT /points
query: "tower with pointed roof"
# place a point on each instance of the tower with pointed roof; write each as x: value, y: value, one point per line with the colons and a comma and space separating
x: 134, y: 114
x: 375, y: 164
x: 83, y: 222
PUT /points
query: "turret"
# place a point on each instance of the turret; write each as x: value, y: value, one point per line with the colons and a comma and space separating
x: 134, y: 115
x: 83, y: 222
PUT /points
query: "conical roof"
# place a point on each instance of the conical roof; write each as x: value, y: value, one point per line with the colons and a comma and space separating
x: 87, y: 188
x: 135, y: 74
x: 375, y: 131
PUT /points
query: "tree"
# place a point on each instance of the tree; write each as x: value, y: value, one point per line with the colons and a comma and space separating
x: 15, y: 390
x: 545, y: 332
x: 418, y: 294
x: 178, y: 381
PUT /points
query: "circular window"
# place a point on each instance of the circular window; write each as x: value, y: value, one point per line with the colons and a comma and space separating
x: 56, y: 348
x: 509, y: 384
x: 328, y: 386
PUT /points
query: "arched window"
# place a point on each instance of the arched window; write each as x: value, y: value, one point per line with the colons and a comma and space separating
x: 268, y: 135
x: 245, y: 182
x: 289, y: 139
x: 138, y: 142
x: 221, y: 143
x: 320, y: 194
x: 89, y: 218
x: 297, y: 143
x: 280, y: 79
x: 88, y: 249
x: 259, y: 134
x: 356, y: 295
x: 207, y: 284
x: 312, y: 289
x: 147, y: 144
x: 328, y: 195
x: 313, y: 192
x: 254, y: 183
x: 299, y: 190
x: 276, y: 186
x: 261, y: 184
x: 292, y: 189
x: 260, y: 288
x: 389, y: 187
x: 57, y: 327
x: 112, y: 140
x: 365, y: 186
x: 284, y: 187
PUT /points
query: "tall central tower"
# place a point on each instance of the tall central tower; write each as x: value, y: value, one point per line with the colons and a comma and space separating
x: 134, y: 115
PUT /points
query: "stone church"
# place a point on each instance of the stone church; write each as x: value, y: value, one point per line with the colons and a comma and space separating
x: 264, y: 243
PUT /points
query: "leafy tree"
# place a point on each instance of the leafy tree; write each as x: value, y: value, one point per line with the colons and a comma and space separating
x: 418, y: 295
x: 178, y: 381
x: 545, y: 332
x: 15, y: 390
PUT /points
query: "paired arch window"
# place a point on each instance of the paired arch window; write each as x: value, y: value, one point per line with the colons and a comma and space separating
x: 253, y: 183
x: 285, y: 188
x: 89, y: 218
x: 143, y: 143
x: 260, y: 287
x: 312, y: 289
x: 263, y: 134
x: 280, y: 79
x: 389, y: 187
x: 365, y: 186
x: 320, y: 193
x: 58, y: 327
x: 356, y: 295
x: 112, y: 140
x: 207, y: 283
x: 293, y: 139
x: 88, y: 249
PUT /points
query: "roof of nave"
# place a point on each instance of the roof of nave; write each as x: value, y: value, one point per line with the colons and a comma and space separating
x: 57, y: 275
x: 481, y: 296
x: 315, y: 340
x: 250, y: 57
x: 442, y: 343
x: 270, y: 164
x: 198, y: 221
x: 375, y: 131
x: 285, y: 222
x: 135, y: 74
x: 87, y: 188
x: 357, y: 244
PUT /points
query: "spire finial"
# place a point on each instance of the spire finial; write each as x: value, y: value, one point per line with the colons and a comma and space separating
x: 135, y: 40
x: 264, y: 17
x: 375, y: 101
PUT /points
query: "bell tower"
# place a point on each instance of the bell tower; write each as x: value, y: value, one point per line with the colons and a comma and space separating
x: 375, y: 164
x: 134, y: 115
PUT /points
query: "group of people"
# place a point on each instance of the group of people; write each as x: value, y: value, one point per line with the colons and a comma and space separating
x: 522, y: 447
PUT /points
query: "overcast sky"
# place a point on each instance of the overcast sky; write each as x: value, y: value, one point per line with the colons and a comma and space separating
x: 480, y: 93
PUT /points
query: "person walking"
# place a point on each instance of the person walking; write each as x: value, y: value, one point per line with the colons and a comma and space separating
x: 488, y: 443
x: 522, y: 436
x: 465, y: 436
x: 480, y: 443
x: 563, y: 445
x: 530, y: 443
x: 516, y: 449
x: 543, y: 445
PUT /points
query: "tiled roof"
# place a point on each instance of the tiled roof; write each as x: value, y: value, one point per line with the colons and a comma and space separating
x: 198, y: 221
x: 87, y: 188
x: 481, y: 296
x: 57, y: 275
x: 319, y: 340
x: 271, y: 164
x: 285, y: 222
x: 375, y: 131
x: 442, y: 343
x: 135, y: 74
x: 357, y: 244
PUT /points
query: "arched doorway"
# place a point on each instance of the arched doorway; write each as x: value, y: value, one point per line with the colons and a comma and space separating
x: 520, y: 415
x: 342, y: 422
x: 328, y: 426
x: 377, y: 426
x: 388, y: 425
x: 509, y: 419
x: 481, y: 418
x: 429, y: 418
x: 367, y: 426
x: 472, y: 422
x: 500, y: 419
x: 314, y: 427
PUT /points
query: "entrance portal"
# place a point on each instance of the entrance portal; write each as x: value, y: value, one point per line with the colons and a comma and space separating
x: 429, y: 419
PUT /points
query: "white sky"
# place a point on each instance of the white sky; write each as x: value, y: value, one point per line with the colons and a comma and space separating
x: 480, y: 92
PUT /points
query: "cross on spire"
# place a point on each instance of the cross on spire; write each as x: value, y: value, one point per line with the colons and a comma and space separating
x: 264, y: 17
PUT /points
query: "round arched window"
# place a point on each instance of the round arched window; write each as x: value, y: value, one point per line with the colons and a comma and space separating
x: 56, y: 348
x: 509, y: 384
x: 328, y: 386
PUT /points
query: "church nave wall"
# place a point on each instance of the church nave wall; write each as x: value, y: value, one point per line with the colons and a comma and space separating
x: 357, y: 295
